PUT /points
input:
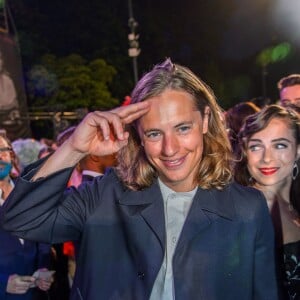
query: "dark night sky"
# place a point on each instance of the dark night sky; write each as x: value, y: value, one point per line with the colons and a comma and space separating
x: 218, y: 39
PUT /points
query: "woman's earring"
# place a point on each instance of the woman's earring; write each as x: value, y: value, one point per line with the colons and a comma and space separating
x: 295, y: 171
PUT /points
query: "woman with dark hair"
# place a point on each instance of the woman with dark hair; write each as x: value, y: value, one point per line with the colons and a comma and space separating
x: 270, y: 147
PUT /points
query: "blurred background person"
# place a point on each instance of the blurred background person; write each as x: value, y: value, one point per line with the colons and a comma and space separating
x: 19, y: 259
x: 8, y: 94
x: 27, y: 150
x: 270, y: 142
x: 261, y: 101
x: 289, y: 90
x: 234, y: 119
x: 93, y: 166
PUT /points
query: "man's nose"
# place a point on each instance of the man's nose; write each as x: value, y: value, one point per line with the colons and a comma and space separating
x: 170, y: 145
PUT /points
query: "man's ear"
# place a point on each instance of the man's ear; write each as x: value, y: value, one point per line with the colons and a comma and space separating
x: 298, y: 152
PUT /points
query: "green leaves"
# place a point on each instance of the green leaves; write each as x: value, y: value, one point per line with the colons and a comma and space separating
x: 72, y: 82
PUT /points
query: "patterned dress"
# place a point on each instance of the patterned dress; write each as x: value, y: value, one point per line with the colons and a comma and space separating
x: 291, y: 254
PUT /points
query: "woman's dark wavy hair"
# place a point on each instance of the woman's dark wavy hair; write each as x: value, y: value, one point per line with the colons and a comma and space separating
x: 256, y: 123
x: 235, y: 117
x: 215, y: 167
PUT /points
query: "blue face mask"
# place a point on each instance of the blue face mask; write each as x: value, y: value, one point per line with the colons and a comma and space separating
x: 5, y: 168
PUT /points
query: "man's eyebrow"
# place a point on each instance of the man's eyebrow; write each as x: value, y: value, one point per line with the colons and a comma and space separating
x: 287, y: 99
x: 184, y: 123
x: 150, y: 130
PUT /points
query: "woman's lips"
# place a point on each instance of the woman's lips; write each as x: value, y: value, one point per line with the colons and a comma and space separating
x: 268, y: 171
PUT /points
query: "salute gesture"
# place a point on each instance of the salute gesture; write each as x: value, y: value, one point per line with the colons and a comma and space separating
x: 102, y: 133
x: 99, y: 133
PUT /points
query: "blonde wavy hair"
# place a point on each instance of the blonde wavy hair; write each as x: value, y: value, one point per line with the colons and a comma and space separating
x: 215, y: 168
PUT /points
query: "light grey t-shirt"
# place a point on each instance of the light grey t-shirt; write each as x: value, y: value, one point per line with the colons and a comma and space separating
x: 176, y: 208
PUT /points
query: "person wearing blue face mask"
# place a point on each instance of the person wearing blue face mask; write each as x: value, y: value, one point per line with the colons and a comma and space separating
x: 5, y: 167
x: 7, y: 160
x: 19, y: 259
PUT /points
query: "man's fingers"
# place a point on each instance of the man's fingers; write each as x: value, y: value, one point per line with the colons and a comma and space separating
x: 132, y: 112
x: 110, y: 125
x: 112, y: 122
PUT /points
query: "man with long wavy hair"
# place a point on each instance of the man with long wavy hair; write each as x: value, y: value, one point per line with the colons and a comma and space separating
x: 167, y: 222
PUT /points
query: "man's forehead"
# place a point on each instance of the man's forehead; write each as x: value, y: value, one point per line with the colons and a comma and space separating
x: 290, y: 92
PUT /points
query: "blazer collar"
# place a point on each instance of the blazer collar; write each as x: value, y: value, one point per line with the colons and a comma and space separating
x: 213, y: 200
x: 146, y: 196
x: 216, y: 201
x: 207, y: 206
x: 149, y: 204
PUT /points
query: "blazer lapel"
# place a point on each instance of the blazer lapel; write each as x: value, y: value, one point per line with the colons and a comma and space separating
x: 212, y: 201
x: 149, y: 204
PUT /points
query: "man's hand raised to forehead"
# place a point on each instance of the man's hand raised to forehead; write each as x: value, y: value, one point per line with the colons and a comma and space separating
x: 102, y: 132
x: 99, y: 133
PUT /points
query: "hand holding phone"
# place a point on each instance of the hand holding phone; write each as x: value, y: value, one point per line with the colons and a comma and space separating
x: 43, y: 274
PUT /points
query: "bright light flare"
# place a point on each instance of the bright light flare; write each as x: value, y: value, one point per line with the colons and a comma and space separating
x: 285, y: 14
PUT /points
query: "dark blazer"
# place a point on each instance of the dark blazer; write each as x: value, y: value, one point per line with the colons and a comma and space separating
x: 16, y: 258
x: 225, y: 250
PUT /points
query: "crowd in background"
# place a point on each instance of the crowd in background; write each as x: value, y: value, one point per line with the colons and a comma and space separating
x: 264, y: 137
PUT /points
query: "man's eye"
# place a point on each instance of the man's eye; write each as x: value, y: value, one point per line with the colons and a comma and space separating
x: 184, y: 129
x: 286, y: 102
x: 152, y: 135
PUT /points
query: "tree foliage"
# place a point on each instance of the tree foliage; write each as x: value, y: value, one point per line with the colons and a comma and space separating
x: 71, y: 82
x: 213, y: 38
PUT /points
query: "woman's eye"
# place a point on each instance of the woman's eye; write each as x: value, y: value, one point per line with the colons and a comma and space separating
x: 254, y: 147
x: 281, y: 146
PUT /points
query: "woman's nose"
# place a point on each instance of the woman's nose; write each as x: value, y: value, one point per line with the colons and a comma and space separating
x: 267, y: 155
